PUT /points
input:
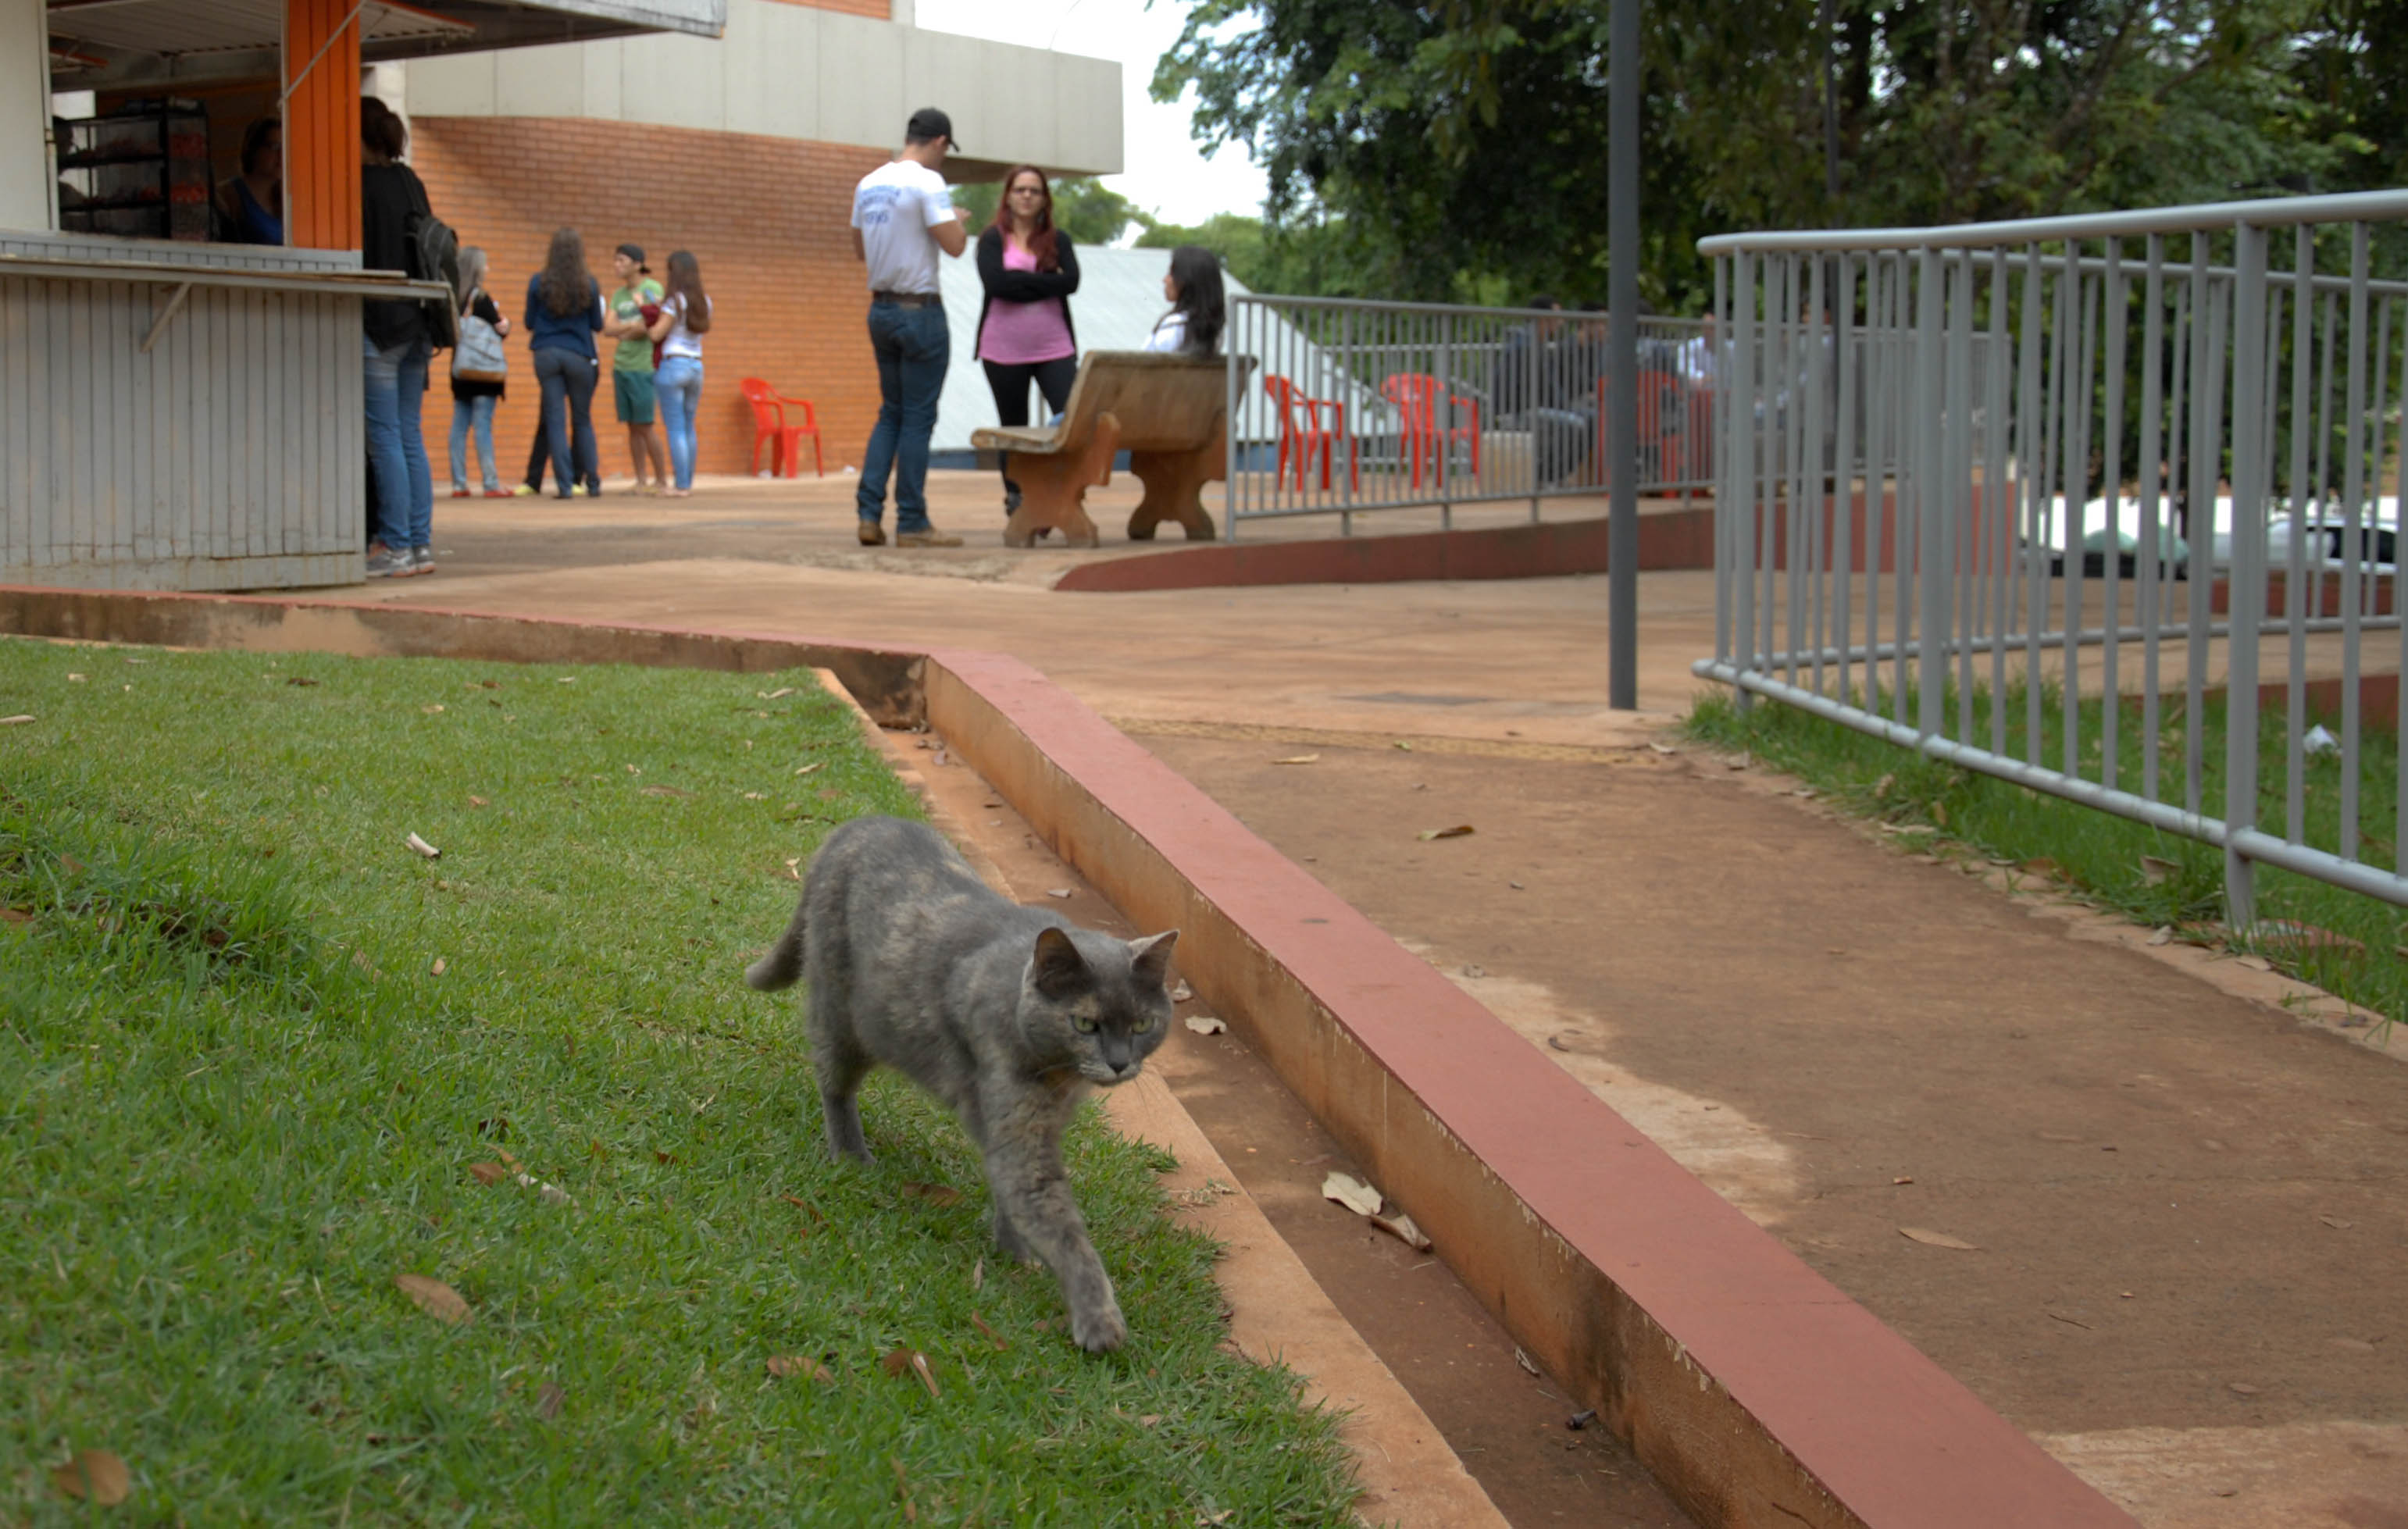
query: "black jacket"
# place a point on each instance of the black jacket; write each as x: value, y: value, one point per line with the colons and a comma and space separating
x: 388, y: 195
x: 1025, y: 286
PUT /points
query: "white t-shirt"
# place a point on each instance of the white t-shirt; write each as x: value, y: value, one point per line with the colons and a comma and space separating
x: 1170, y: 333
x: 895, y: 206
x: 682, y: 341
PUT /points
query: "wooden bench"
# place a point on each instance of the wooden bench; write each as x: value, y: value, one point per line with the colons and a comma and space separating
x: 1169, y: 412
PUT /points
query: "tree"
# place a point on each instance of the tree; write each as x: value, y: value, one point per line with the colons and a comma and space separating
x: 1461, y: 142
x: 1084, y: 207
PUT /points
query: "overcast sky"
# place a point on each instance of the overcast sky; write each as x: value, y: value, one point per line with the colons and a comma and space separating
x: 1166, y: 175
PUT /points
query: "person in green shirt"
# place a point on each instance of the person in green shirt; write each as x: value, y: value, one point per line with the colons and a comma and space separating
x: 633, y: 308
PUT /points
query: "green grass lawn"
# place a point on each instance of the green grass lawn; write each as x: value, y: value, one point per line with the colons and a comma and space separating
x: 252, y: 1047
x: 2179, y: 883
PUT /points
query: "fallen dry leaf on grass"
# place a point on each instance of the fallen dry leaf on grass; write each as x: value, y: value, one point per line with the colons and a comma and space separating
x: 978, y: 1275
x: 1455, y: 833
x: 787, y: 1366
x: 1298, y: 758
x: 809, y: 769
x: 488, y: 1174
x: 980, y: 1322
x: 439, y: 967
x: 300, y: 680
x: 932, y: 1193
x: 792, y: 873
x: 2163, y: 936
x: 432, y: 709
x: 15, y: 915
x: 663, y: 791
x: 1352, y: 1193
x: 547, y: 1400
x: 1205, y: 1024
x: 478, y: 801
x: 1936, y: 1239
x: 777, y: 695
x: 96, y: 1474
x: 2156, y: 871
x: 915, y: 1363
x: 1401, y: 1227
x: 420, y: 847
x: 434, y: 1297
x: 18, y: 720
x: 2042, y: 865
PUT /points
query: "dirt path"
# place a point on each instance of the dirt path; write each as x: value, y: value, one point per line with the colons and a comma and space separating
x: 2188, y: 1210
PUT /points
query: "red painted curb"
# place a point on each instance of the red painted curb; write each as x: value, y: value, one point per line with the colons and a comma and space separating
x: 1671, y: 539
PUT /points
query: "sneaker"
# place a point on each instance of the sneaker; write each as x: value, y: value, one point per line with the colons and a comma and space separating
x: 870, y: 532
x: 930, y: 537
x: 577, y: 491
x: 502, y: 494
x: 524, y: 490
x: 422, y: 560
x: 384, y: 562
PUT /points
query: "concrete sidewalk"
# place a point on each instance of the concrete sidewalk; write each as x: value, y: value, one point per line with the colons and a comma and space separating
x: 2186, y: 1204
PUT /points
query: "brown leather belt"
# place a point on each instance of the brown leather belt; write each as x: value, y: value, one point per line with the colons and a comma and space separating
x: 907, y: 299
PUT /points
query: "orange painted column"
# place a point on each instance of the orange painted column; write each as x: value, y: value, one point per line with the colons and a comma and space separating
x: 321, y: 124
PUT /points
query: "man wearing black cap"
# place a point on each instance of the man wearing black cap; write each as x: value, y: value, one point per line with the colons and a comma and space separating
x: 902, y: 216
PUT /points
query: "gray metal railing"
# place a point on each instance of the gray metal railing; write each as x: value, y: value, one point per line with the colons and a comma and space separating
x: 2028, y: 497
x: 1359, y: 405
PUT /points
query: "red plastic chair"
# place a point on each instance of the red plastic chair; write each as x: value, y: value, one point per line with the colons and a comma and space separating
x: 1303, y: 436
x: 1416, y: 395
x: 785, y: 440
x: 1661, y: 418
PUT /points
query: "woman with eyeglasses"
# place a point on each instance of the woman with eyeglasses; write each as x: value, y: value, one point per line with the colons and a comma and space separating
x: 1029, y: 272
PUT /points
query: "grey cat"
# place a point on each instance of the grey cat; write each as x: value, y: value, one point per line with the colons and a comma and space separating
x: 1006, y: 1013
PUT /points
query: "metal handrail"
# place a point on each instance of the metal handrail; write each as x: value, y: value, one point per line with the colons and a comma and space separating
x: 2198, y: 218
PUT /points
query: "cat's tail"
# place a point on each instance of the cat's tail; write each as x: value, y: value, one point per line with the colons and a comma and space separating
x: 784, y: 962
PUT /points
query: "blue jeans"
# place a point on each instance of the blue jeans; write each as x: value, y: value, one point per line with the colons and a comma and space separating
x: 913, y: 348
x: 568, y: 381
x: 478, y: 413
x: 403, y: 516
x: 677, y: 386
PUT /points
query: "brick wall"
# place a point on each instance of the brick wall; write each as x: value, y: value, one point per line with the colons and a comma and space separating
x: 767, y: 217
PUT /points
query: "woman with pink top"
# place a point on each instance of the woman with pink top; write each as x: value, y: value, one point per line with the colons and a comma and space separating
x: 1029, y: 272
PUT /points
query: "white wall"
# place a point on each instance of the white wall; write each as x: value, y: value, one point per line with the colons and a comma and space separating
x: 25, y: 179
x: 792, y: 71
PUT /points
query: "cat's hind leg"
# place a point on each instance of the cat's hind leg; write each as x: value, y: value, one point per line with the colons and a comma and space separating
x: 837, y: 1056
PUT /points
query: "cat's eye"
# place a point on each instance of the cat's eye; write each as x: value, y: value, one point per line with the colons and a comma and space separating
x: 1142, y: 1024
x: 1085, y: 1025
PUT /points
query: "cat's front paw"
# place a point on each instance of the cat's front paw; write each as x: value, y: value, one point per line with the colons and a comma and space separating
x: 1100, y: 1331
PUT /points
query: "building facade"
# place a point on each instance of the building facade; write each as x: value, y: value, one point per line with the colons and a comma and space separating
x: 744, y: 150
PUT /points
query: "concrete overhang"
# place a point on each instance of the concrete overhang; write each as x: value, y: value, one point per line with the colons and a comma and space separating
x: 134, y: 44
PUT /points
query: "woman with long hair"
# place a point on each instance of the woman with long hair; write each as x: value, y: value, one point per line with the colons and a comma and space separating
x: 397, y: 348
x: 475, y: 389
x: 563, y: 313
x: 684, y: 319
x: 1024, y: 336
x: 1197, y: 307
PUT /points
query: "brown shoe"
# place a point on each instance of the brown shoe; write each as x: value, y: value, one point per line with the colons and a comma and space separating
x: 870, y: 532
x: 930, y: 537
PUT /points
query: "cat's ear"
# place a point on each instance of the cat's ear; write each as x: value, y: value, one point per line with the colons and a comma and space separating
x: 1057, y: 968
x: 1150, y: 957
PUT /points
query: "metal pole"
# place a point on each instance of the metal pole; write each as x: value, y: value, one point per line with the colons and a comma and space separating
x: 1622, y: 342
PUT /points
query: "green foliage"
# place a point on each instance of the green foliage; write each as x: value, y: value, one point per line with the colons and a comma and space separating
x: 1091, y: 212
x: 1465, y: 139
x: 239, y: 1097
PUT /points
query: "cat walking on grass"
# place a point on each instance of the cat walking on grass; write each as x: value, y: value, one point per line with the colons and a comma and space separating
x: 1006, y: 1013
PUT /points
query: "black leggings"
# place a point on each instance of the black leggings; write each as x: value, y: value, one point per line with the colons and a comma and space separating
x: 1011, y: 381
